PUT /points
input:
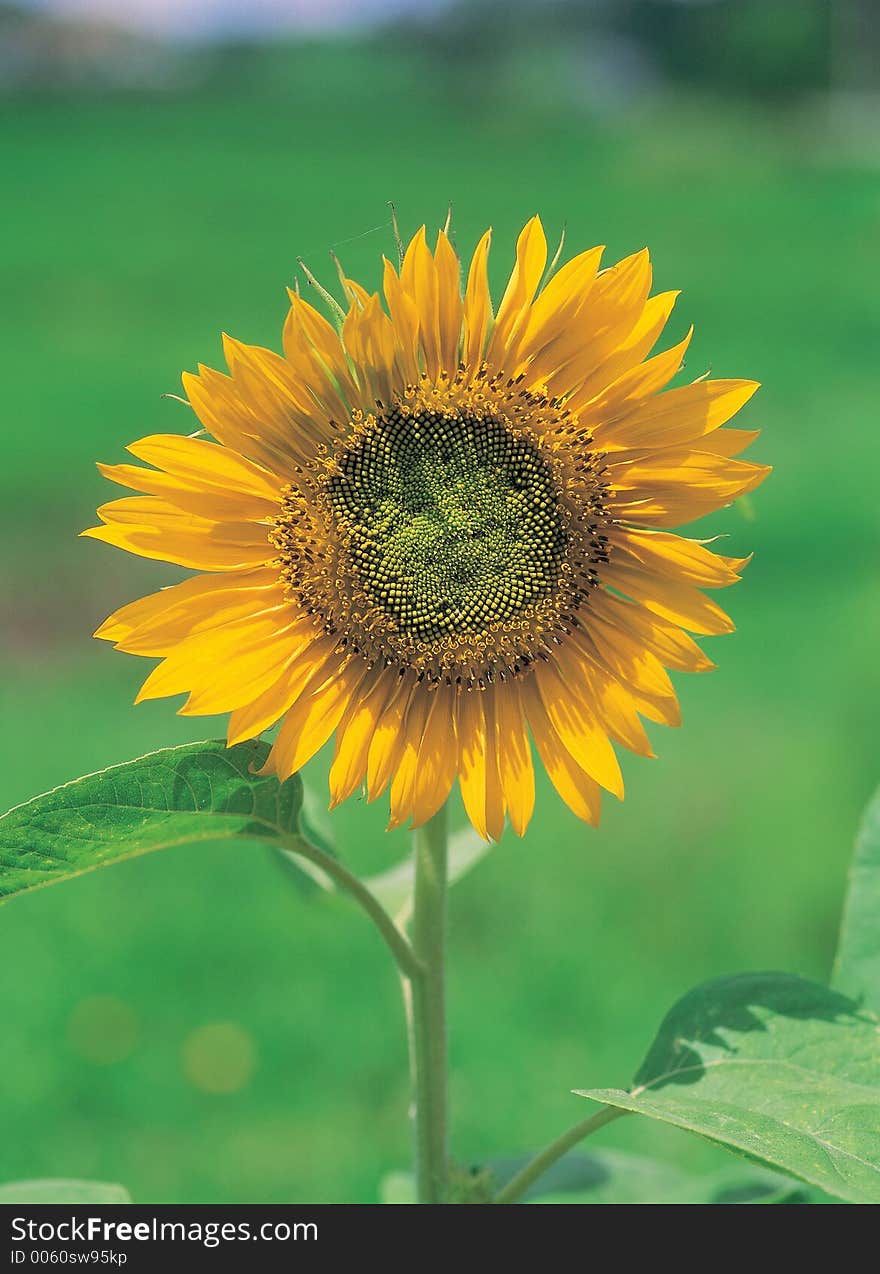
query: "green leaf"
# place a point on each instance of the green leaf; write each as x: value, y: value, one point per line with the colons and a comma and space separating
x: 857, y: 963
x: 63, y: 1191
x: 198, y: 792
x: 616, y: 1176
x: 394, y: 887
x: 782, y: 1070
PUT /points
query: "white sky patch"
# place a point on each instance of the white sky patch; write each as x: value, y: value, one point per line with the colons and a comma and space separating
x: 206, y: 18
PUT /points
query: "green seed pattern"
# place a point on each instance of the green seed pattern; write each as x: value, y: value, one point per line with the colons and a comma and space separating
x: 453, y: 523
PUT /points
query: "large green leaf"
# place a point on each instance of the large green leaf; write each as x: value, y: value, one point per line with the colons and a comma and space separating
x: 857, y: 964
x: 198, y: 792
x: 615, y: 1176
x: 63, y: 1191
x: 777, y: 1068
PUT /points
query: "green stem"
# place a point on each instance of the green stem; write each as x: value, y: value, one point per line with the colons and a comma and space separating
x: 407, y: 961
x: 518, y: 1185
x: 427, y: 1009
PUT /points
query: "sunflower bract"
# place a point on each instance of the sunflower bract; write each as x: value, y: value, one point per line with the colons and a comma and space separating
x: 443, y: 534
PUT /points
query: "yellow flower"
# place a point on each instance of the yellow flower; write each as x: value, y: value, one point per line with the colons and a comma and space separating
x: 440, y: 532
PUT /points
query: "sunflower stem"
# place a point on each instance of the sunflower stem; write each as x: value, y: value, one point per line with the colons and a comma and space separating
x: 426, y: 994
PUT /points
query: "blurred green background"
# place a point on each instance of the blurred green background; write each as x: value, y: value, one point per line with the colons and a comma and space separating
x: 187, y: 1024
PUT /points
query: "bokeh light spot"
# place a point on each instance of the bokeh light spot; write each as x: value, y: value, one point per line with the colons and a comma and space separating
x: 219, y: 1057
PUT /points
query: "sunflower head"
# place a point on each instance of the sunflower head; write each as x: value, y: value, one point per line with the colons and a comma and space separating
x: 442, y: 532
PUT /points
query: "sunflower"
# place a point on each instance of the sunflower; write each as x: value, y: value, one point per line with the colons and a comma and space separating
x: 441, y: 532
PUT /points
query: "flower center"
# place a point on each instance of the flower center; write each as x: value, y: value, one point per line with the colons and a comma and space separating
x: 455, y: 534
x: 452, y: 523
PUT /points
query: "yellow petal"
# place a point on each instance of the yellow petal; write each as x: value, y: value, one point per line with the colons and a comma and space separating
x: 678, y: 416
x: 669, y: 488
x: 222, y: 670
x: 555, y: 307
x: 628, y: 355
x: 405, y: 320
x: 403, y: 785
x: 283, y: 396
x: 670, y: 598
x: 515, y: 768
x: 627, y: 622
x: 614, y: 306
x: 728, y: 442
x: 632, y: 387
x: 200, y: 462
x: 219, y: 600
x: 495, y: 804
x: 626, y: 656
x: 437, y: 761
x: 213, y: 503
x: 305, y: 667
x: 578, y: 730
x: 449, y: 304
x: 607, y: 698
x: 354, y: 736
x: 470, y: 730
x: 477, y: 310
x: 155, y: 529
x: 312, y: 719
x: 147, y: 609
x: 581, y: 793
x: 685, y: 560
x: 368, y: 336
x: 317, y: 358
x: 223, y: 412
x: 418, y: 276
x: 531, y: 258
x: 227, y: 667
x: 388, y: 739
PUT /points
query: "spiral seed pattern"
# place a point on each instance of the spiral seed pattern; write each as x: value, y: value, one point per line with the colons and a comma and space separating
x: 453, y: 523
x: 454, y: 534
